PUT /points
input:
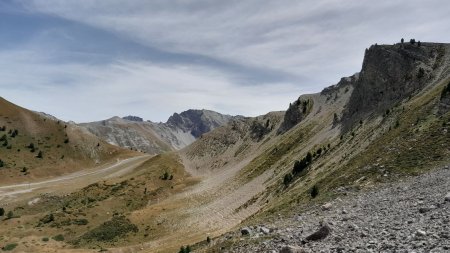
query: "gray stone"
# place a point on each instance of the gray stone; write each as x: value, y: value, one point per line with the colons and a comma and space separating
x: 420, y: 233
x: 292, y: 249
x: 246, y: 231
x: 327, y: 206
x: 320, y: 234
x: 447, y: 197
x: 264, y: 230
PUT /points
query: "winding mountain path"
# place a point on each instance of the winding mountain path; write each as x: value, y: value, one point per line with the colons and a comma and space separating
x: 70, y: 182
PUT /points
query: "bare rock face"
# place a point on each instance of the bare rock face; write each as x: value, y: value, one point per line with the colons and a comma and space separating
x: 197, y: 122
x: 390, y: 74
x: 296, y: 112
x: 133, y: 118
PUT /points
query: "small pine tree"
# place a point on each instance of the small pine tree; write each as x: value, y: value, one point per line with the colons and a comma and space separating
x: 308, y: 157
x: 314, y: 191
x: 287, y: 179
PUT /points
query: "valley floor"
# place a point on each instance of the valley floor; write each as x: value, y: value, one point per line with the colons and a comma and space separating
x: 412, y: 215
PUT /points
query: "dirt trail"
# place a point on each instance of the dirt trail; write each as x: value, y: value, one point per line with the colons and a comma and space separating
x: 70, y: 182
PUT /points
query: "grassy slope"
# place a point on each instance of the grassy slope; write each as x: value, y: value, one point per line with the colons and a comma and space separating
x: 64, y: 147
x: 98, y: 204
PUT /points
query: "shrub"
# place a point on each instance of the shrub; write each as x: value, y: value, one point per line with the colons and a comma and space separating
x: 80, y: 222
x: 66, y: 140
x: 9, y: 247
x: 314, y: 191
x: 412, y: 41
x: 118, y: 226
x: 39, y: 154
x: 2, y: 211
x: 1, y: 163
x: 47, y: 219
x: 10, y: 215
x: 58, y: 238
x: 45, y: 239
x: 287, y: 179
x: 420, y: 73
x: 186, y: 249
x: 445, y: 91
x: 165, y: 176
x: 208, y: 239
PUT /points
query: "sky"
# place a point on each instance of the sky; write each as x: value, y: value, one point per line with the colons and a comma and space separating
x: 89, y: 60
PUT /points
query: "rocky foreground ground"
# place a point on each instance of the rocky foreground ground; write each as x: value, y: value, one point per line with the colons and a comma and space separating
x: 412, y: 215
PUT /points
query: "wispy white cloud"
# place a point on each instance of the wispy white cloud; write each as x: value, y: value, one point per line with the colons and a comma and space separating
x: 237, y: 57
x: 299, y: 37
x: 92, y: 92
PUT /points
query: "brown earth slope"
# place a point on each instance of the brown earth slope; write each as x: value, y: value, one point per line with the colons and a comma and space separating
x: 35, y: 146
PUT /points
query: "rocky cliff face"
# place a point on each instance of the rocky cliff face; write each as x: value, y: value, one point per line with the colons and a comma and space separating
x: 154, y: 138
x: 296, y: 112
x: 197, y: 122
x: 133, y: 118
x: 390, y: 74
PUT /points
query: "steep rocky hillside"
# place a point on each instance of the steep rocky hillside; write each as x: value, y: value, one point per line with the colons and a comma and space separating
x: 179, y: 131
x: 35, y: 145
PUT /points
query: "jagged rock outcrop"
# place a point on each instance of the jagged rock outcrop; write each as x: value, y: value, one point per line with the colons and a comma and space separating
x: 133, y: 118
x: 296, y: 112
x: 390, y: 74
x: 197, y: 122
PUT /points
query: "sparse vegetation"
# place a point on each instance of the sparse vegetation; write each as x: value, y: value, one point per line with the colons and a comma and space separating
x: 116, y: 227
x: 166, y: 176
x: 186, y: 249
x: 9, y: 247
x: 58, y: 238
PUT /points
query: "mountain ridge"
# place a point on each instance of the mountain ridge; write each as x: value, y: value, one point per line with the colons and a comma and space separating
x: 177, y: 132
